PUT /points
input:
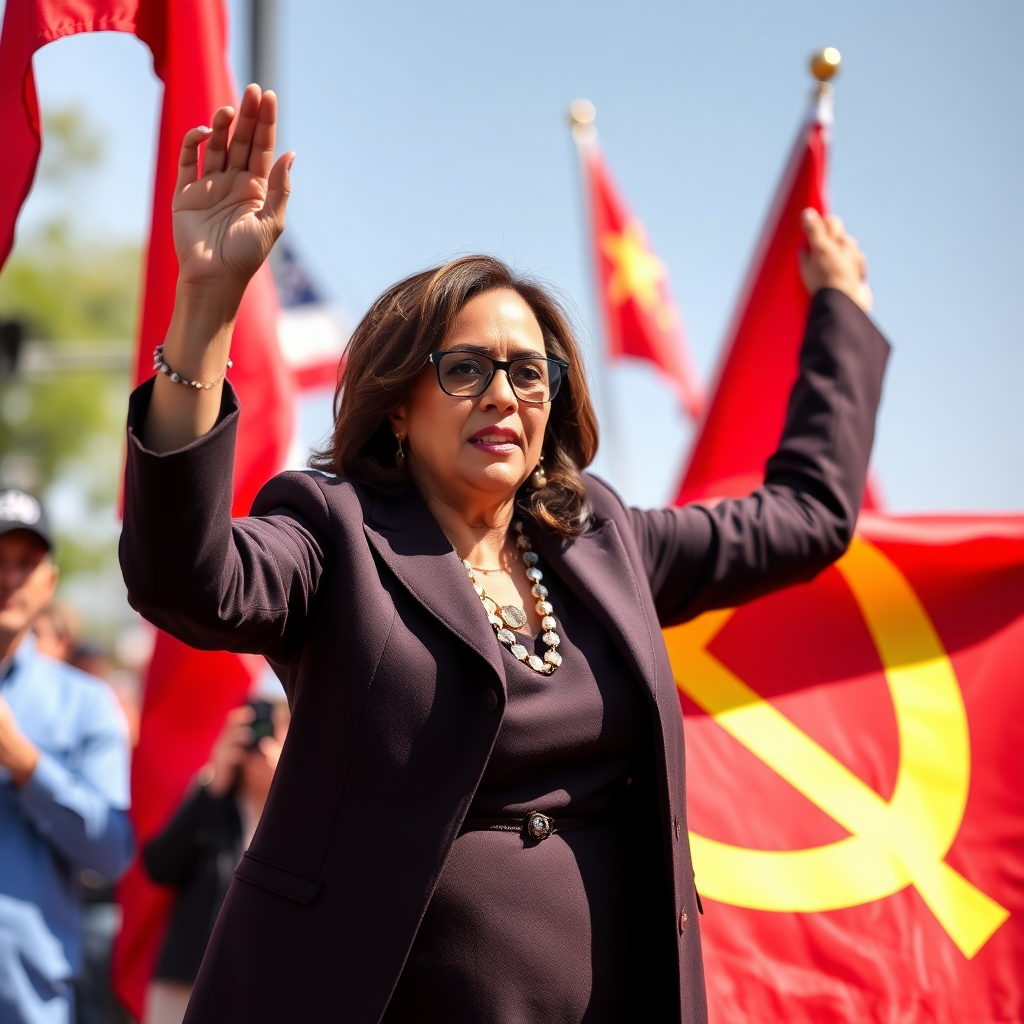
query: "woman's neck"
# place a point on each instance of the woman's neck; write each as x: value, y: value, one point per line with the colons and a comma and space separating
x: 480, y: 534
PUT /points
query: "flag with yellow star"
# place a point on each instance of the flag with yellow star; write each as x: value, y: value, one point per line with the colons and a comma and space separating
x: 641, y: 320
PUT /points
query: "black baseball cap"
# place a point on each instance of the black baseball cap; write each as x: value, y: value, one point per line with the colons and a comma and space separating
x: 20, y: 511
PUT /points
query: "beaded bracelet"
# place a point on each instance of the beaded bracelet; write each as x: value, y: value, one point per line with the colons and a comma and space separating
x: 159, y: 366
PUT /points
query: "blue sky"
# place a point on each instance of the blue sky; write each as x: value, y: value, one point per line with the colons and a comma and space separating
x: 427, y: 130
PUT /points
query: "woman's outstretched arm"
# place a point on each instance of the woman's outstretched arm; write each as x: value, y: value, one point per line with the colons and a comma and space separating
x: 226, y: 217
x: 803, y: 516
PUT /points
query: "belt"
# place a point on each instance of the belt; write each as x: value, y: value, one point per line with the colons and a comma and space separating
x: 533, y: 825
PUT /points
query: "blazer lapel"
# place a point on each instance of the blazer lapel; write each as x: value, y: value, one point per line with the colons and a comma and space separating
x: 597, y: 569
x: 412, y: 545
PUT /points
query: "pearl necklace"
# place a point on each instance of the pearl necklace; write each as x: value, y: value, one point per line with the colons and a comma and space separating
x: 507, y: 618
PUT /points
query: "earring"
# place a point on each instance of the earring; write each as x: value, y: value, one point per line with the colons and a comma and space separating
x: 399, y: 455
x: 538, y: 477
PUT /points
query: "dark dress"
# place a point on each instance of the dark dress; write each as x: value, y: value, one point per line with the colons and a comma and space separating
x: 570, y: 928
x: 398, y: 687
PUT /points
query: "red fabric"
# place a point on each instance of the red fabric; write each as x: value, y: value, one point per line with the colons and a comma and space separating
x: 812, y: 713
x: 641, y: 319
x: 29, y: 24
x: 187, y: 692
x: 747, y: 406
x: 315, y: 376
x: 813, y: 655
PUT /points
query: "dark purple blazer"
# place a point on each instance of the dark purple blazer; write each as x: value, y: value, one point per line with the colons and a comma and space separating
x: 396, y: 681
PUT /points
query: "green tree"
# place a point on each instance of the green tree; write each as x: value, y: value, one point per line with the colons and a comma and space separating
x: 62, y: 420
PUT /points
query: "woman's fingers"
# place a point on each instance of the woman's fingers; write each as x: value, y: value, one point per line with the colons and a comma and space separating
x: 833, y: 259
x: 279, y: 187
x: 261, y: 154
x: 215, y: 154
x: 815, y: 229
x: 836, y: 227
x: 188, y: 158
x: 245, y: 125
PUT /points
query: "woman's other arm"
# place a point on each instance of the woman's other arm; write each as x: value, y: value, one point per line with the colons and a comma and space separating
x: 803, y: 517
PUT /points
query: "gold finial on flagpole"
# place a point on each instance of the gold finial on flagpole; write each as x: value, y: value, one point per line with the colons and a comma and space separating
x: 582, y: 112
x: 824, y: 66
x: 581, y: 117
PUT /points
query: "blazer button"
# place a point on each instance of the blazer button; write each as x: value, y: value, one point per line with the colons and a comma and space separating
x: 678, y: 830
x: 683, y: 918
x: 491, y: 700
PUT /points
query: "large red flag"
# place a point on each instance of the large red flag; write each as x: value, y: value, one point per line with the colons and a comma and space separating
x: 856, y: 837
x: 28, y: 25
x: 747, y: 405
x: 855, y: 752
x: 188, y: 692
x: 640, y: 318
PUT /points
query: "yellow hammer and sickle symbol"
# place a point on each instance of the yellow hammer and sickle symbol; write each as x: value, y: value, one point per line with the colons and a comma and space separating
x: 891, y: 844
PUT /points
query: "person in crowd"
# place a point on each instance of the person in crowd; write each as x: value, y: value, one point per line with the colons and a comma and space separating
x: 479, y: 811
x: 58, y: 634
x: 63, y: 783
x: 198, y: 850
x: 58, y: 630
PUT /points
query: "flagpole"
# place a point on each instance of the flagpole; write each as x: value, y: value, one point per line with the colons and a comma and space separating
x: 582, y: 114
x: 263, y: 43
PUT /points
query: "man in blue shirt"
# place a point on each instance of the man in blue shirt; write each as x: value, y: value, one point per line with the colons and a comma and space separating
x: 63, y: 783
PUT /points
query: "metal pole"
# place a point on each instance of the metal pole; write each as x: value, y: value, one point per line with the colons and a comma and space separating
x: 584, y: 135
x: 263, y: 52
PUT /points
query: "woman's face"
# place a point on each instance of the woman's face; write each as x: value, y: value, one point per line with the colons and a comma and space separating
x: 462, y: 450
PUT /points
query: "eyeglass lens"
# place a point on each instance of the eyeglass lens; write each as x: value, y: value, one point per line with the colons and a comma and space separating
x: 468, y: 375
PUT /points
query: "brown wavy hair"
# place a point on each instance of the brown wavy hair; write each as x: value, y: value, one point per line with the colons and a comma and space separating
x: 387, y: 353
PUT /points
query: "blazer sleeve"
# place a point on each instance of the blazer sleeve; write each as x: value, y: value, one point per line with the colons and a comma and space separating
x: 214, y: 582
x: 802, y: 518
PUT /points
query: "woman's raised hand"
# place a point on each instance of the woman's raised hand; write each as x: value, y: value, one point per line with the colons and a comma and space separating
x: 834, y: 260
x: 227, y: 218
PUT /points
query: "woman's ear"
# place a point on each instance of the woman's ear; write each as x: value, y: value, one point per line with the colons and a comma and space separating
x: 397, y: 420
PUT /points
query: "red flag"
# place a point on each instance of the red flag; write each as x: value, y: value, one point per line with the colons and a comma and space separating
x: 641, y: 320
x: 850, y: 743
x: 747, y: 408
x: 29, y: 24
x: 855, y: 748
x: 188, y: 692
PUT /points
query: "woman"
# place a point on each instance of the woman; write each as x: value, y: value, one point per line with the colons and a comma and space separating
x: 492, y: 836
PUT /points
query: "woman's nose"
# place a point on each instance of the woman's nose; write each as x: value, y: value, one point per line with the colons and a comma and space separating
x: 500, y: 391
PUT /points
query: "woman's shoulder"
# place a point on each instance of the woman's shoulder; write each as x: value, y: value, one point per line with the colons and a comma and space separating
x: 605, y: 501
x: 316, y: 497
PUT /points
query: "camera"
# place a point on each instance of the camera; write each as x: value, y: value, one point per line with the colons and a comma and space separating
x: 262, y: 724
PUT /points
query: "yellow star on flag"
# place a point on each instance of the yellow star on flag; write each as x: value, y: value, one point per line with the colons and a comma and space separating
x: 637, y: 271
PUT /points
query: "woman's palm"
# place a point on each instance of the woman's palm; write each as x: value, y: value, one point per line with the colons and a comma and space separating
x: 226, y: 221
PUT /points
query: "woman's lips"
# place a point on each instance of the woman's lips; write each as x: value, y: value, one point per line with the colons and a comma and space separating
x: 498, y: 447
x: 500, y: 442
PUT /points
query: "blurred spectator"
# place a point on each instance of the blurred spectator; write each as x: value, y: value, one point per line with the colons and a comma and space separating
x: 200, y: 847
x: 58, y: 630
x: 63, y: 783
x: 88, y: 656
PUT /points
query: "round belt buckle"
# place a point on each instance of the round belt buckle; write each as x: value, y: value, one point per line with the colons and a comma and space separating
x: 539, y: 826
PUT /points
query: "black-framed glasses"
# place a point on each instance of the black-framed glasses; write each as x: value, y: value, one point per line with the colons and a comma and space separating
x: 463, y: 373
